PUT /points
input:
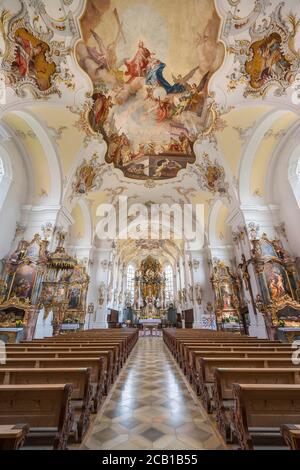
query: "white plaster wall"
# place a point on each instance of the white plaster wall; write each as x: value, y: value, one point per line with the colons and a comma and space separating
x: 289, y: 213
x: 10, y: 212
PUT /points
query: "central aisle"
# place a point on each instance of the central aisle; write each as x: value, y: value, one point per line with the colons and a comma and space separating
x: 151, y: 407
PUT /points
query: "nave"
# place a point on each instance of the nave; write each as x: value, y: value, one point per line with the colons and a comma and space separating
x: 152, y: 407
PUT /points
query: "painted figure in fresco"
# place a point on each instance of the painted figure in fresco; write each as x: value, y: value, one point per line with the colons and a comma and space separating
x: 30, y: 59
x: 166, y: 168
x: 119, y: 149
x: 137, y: 170
x: 95, y: 59
x: 100, y: 111
x: 138, y: 65
x: 155, y: 76
x: 268, y: 61
x: 85, y: 179
x: 105, y: 57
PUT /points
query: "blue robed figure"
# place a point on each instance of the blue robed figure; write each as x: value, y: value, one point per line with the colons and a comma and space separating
x: 155, y: 75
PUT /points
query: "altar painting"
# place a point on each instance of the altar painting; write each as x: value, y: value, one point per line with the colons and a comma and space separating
x: 74, y: 298
x: 277, y: 281
x: 150, y: 98
x: 23, y: 282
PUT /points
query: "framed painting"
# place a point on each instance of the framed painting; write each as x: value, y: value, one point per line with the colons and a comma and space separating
x: 267, y: 249
x: 74, y: 298
x: 60, y: 294
x: 48, y: 294
x: 226, y: 297
x: 23, y: 282
x: 33, y: 251
x: 277, y: 281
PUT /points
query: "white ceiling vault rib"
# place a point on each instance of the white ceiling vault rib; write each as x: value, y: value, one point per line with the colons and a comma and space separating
x: 286, y: 155
x: 248, y: 157
x: 17, y: 148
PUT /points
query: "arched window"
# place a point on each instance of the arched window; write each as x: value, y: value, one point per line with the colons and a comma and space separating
x: 294, y: 176
x: 2, y: 172
x: 130, y: 282
x: 169, y: 289
x: 5, y: 176
x: 298, y: 169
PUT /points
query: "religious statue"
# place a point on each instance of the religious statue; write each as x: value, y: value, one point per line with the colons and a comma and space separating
x: 198, y: 293
x: 150, y: 309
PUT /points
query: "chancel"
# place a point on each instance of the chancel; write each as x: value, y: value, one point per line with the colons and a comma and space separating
x: 150, y: 220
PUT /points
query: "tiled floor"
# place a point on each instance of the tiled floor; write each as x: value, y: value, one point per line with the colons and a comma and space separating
x: 152, y: 408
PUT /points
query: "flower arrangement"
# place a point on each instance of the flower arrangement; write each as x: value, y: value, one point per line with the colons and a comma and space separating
x: 69, y: 321
x: 19, y: 324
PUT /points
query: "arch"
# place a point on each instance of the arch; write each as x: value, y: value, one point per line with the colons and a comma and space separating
x: 294, y: 173
x: 55, y: 194
x: 283, y: 188
x: 5, y: 175
x: 248, y: 157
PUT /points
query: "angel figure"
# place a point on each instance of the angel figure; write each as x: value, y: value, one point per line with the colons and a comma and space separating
x: 95, y: 59
x: 196, y: 99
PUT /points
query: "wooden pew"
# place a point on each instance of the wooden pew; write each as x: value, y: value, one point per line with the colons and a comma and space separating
x: 95, y: 364
x: 206, y: 370
x: 260, y: 411
x: 182, y: 345
x: 173, y: 338
x: 191, y: 369
x: 107, y: 356
x: 291, y: 435
x: 194, y: 355
x: 82, y: 395
x: 118, y: 348
x: 46, y: 408
x: 126, y: 337
x: 185, y: 348
x: 223, y: 400
x: 12, y: 437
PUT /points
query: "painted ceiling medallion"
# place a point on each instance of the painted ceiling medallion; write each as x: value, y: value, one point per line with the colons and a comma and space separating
x: 32, y: 59
x: 150, y: 100
x: 270, y: 58
x: 88, y: 177
x: 212, y: 176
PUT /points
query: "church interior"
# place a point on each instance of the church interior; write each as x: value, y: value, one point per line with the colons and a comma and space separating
x: 150, y: 219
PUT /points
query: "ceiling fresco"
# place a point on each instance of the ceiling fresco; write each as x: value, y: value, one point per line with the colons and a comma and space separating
x: 32, y: 59
x: 151, y: 85
x: 269, y: 59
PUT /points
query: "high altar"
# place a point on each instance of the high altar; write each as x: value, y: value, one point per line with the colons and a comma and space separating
x: 149, y: 301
